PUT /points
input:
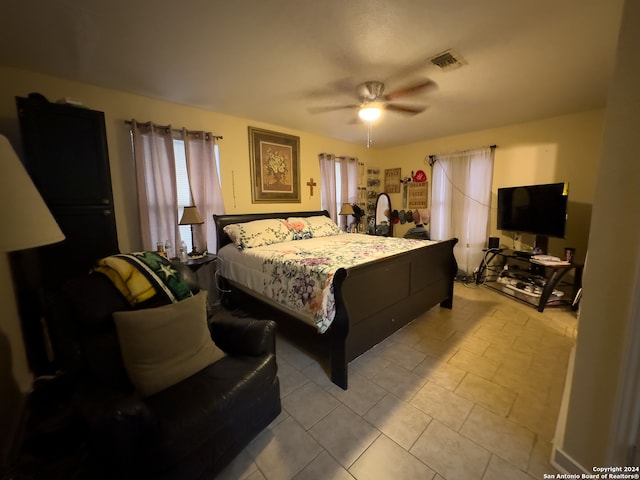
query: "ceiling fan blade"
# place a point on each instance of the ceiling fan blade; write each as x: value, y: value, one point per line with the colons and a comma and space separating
x: 406, y: 109
x: 410, y: 89
x: 331, y: 108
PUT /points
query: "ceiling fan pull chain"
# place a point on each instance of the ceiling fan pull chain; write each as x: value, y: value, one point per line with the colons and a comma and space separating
x: 369, y: 137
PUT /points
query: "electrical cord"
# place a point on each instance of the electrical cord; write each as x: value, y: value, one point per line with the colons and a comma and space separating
x: 485, y: 264
x: 220, y: 289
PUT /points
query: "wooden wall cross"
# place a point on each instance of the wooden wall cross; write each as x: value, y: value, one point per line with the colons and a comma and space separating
x: 311, y: 184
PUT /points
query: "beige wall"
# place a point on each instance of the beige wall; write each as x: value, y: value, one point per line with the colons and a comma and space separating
x: 120, y: 106
x: 560, y: 149
x: 595, y: 426
x: 15, y: 378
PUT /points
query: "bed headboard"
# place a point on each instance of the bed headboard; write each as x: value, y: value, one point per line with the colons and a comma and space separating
x: 222, y: 221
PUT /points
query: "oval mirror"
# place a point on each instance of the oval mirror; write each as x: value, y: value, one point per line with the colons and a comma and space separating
x: 383, y: 225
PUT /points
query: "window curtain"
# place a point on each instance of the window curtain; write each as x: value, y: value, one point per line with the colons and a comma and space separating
x: 204, y: 183
x: 338, y: 182
x: 156, y: 180
x: 328, y: 199
x: 460, y: 202
x: 351, y: 174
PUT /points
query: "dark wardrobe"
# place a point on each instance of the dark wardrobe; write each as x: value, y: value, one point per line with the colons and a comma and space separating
x: 65, y: 152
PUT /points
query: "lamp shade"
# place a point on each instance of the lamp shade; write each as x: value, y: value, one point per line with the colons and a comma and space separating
x: 191, y: 216
x: 26, y: 221
x: 346, y: 209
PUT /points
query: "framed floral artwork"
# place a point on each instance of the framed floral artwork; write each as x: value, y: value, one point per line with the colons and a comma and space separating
x: 275, y: 166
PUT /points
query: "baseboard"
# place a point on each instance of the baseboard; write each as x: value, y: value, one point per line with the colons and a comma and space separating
x: 565, y: 464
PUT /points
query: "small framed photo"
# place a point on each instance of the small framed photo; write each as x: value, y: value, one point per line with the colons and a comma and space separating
x: 275, y: 166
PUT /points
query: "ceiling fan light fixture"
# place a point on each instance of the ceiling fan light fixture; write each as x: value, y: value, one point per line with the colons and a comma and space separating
x: 370, y: 112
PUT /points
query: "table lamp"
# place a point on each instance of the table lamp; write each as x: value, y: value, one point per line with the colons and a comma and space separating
x: 191, y: 217
x: 346, y: 209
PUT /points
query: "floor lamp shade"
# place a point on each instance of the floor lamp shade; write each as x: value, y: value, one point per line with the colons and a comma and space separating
x: 26, y: 221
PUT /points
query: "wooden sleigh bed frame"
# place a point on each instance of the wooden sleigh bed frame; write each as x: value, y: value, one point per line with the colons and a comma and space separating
x: 372, y: 300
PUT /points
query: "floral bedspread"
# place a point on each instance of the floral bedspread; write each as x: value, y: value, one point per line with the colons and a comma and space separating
x: 299, y: 274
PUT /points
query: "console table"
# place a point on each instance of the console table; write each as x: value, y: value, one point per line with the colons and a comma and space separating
x: 524, y: 279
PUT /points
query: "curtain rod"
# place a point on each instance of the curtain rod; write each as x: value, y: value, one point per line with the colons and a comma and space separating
x: 174, y: 130
x: 432, y: 157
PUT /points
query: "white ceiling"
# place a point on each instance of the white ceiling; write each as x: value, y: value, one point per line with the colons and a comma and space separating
x: 271, y: 60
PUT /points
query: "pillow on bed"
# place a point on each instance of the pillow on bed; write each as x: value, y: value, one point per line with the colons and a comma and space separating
x: 259, y: 232
x: 321, y: 226
x: 300, y: 228
x: 164, y: 345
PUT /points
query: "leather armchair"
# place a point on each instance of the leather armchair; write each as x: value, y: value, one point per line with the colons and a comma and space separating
x: 190, y: 430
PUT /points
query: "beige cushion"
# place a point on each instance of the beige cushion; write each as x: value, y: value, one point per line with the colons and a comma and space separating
x: 259, y: 232
x: 164, y: 345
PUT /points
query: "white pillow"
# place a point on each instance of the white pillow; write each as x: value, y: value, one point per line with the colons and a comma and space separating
x: 259, y: 232
x: 164, y: 345
x: 321, y: 226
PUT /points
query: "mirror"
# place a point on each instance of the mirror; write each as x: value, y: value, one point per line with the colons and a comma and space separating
x: 383, y: 225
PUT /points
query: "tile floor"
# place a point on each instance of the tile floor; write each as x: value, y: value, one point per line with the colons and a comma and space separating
x: 462, y: 394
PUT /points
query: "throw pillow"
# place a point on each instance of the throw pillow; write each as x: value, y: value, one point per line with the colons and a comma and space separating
x: 164, y: 345
x: 300, y: 228
x: 259, y: 232
x: 322, y: 226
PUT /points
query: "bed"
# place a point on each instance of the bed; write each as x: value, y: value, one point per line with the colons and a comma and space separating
x: 370, y: 300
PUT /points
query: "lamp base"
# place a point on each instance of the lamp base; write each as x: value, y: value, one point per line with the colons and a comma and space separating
x: 194, y: 252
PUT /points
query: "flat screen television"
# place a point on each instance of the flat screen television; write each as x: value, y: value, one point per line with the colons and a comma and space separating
x: 537, y: 209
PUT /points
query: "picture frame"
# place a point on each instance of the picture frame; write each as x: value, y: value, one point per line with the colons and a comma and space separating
x: 275, y: 166
x: 392, y: 180
x: 418, y: 195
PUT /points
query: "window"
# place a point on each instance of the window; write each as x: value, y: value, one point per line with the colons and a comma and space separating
x: 160, y: 181
x: 460, y: 200
x: 339, y: 193
x: 183, y: 190
x: 339, y: 183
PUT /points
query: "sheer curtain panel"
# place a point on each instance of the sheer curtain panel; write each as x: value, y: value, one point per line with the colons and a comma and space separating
x: 338, y: 182
x: 204, y: 182
x: 350, y: 187
x: 156, y: 180
x: 461, y: 196
x: 328, y: 184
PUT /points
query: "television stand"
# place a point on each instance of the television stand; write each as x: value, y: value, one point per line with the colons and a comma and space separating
x: 527, y: 281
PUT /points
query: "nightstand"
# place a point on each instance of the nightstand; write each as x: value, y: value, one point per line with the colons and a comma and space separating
x: 196, y: 263
x: 204, y: 269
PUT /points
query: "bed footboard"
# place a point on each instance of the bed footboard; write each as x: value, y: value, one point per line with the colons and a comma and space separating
x: 375, y: 300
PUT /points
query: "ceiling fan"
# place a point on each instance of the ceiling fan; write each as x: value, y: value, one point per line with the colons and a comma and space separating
x: 372, y: 100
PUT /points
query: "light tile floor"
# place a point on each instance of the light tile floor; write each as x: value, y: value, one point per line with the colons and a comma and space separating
x: 461, y: 394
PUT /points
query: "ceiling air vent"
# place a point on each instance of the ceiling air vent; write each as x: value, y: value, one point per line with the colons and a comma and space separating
x: 447, y: 60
